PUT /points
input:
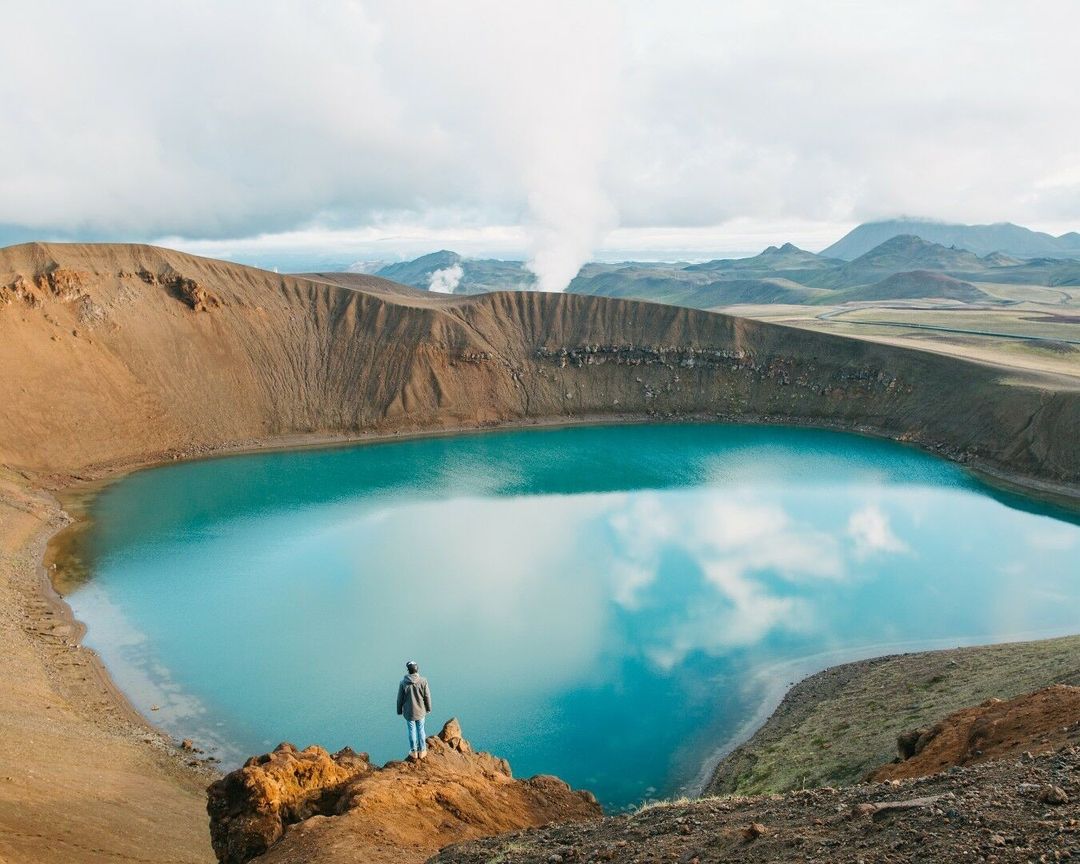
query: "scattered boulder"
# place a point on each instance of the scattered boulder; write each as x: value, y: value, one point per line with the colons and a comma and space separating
x: 1053, y: 795
x: 753, y: 831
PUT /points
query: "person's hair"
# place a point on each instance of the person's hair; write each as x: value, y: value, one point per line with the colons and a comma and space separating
x: 412, y: 667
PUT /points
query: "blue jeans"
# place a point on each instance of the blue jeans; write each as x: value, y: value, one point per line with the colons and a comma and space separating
x: 417, y: 738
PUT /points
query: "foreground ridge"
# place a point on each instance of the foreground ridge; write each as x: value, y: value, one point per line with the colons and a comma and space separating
x: 1006, y: 811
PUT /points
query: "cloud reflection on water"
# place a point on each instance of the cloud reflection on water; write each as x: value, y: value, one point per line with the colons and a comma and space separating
x: 518, y: 570
x: 682, y: 565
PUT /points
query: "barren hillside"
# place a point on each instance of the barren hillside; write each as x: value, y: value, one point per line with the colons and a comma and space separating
x: 116, y: 353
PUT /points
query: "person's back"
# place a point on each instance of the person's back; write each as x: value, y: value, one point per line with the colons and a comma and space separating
x: 414, y: 704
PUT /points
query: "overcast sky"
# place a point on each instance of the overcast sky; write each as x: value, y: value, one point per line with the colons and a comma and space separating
x: 561, y: 131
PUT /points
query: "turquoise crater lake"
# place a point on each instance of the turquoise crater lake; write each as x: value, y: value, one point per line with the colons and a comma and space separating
x: 609, y: 604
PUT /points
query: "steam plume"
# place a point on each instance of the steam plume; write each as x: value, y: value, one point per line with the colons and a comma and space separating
x: 446, y: 280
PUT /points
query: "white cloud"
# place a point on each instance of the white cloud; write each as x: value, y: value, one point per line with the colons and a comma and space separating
x: 871, y: 534
x: 555, y: 120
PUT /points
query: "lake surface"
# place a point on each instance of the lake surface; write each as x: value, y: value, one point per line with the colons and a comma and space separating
x: 608, y: 604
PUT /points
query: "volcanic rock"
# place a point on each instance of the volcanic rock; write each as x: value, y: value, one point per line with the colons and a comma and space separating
x: 250, y: 808
x: 193, y: 294
x: 307, y: 806
x: 976, y: 813
x: 754, y: 830
x: 1053, y: 795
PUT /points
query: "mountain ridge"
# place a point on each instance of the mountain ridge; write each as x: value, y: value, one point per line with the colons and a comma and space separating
x: 1004, y: 237
x: 779, y: 274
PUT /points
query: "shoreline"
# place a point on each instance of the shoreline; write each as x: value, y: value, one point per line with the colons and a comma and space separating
x: 55, y: 601
x: 73, y: 748
x: 1064, y: 495
x: 88, y: 658
x: 798, y: 670
x: 80, y: 488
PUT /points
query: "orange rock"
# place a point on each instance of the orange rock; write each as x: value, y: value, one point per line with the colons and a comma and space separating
x: 308, y: 806
x: 754, y: 830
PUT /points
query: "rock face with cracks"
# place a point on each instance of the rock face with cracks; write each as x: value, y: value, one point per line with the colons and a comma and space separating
x: 309, y: 805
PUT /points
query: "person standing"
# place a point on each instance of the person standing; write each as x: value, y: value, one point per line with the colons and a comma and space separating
x: 414, y: 704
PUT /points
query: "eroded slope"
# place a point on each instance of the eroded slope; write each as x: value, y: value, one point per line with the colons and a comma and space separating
x: 122, y: 353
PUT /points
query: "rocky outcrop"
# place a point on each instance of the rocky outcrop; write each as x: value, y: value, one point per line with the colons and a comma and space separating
x: 63, y: 283
x: 20, y: 290
x: 251, y: 807
x: 1035, y: 722
x: 52, y: 283
x: 192, y: 293
x: 184, y: 288
x: 310, y: 806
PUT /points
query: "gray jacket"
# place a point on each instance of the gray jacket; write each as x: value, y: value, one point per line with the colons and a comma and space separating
x: 414, y: 697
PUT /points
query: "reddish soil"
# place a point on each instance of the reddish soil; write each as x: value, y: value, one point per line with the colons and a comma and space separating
x: 1038, y: 722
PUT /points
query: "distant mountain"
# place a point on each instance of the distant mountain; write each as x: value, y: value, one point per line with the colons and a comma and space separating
x: 903, y: 266
x: 752, y: 292
x: 1051, y: 272
x: 689, y: 287
x: 786, y: 257
x: 1000, y: 259
x: 906, y: 251
x: 897, y: 255
x: 1003, y: 237
x: 419, y: 271
x: 915, y: 285
x: 457, y: 274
